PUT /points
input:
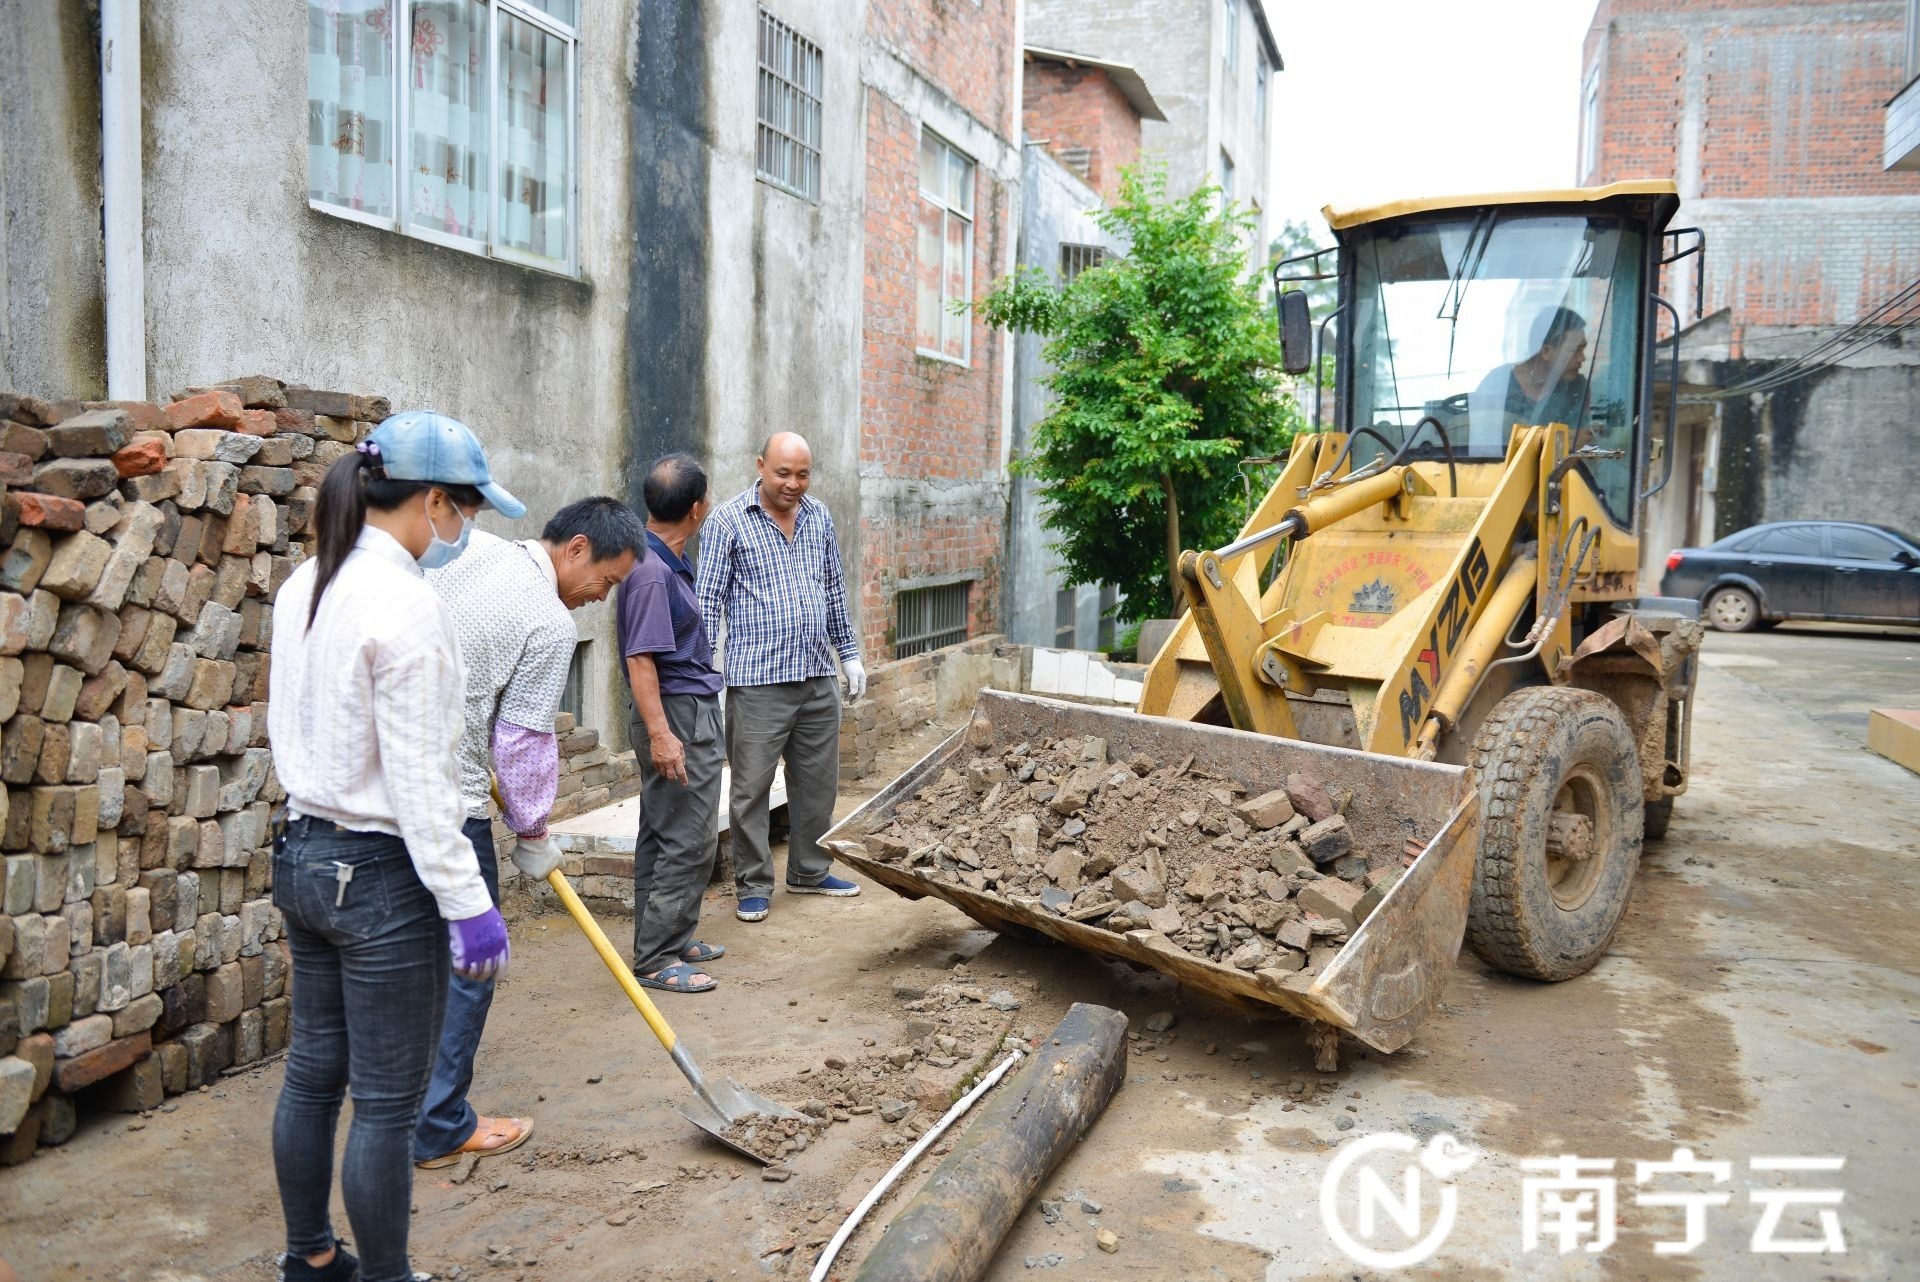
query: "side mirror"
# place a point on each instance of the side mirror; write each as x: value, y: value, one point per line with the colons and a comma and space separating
x: 1296, y: 331
x: 1906, y: 558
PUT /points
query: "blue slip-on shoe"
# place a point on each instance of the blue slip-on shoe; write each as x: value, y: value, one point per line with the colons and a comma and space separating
x: 753, y: 908
x: 826, y: 886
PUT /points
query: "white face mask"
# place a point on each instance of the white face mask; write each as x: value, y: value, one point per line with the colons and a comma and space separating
x: 440, y: 552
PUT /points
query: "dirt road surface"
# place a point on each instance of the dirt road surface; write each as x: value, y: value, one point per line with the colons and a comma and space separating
x: 1762, y: 1000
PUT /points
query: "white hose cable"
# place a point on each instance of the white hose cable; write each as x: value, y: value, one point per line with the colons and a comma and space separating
x: 954, y: 1114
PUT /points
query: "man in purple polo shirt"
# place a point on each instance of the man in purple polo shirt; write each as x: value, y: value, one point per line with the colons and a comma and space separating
x: 677, y: 734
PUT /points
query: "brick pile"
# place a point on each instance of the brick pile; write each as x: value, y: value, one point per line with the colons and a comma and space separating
x: 140, y: 954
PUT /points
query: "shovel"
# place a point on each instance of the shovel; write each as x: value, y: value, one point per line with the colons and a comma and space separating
x: 717, y: 1105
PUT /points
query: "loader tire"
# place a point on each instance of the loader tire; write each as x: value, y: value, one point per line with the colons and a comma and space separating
x: 1543, y: 752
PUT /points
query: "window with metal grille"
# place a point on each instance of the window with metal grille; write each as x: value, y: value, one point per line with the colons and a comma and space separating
x: 787, y: 152
x: 1109, y: 606
x: 573, y: 697
x: 928, y: 618
x: 1063, y: 608
x: 1075, y: 259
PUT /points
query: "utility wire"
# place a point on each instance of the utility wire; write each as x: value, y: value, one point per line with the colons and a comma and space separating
x: 1880, y: 322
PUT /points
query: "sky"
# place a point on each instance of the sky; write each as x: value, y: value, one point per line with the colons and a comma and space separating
x: 1387, y: 99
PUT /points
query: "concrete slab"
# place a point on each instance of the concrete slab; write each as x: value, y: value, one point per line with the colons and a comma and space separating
x: 610, y: 829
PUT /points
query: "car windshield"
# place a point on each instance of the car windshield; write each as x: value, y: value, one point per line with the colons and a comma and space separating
x: 1488, y: 319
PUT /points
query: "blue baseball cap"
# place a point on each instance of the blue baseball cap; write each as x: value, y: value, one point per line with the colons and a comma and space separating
x: 422, y: 445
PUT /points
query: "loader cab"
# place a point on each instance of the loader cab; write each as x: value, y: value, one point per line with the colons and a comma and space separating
x: 1458, y: 319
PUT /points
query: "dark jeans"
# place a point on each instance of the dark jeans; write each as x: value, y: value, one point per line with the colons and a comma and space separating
x: 446, y: 1119
x: 674, y: 850
x: 798, y: 721
x: 370, y: 966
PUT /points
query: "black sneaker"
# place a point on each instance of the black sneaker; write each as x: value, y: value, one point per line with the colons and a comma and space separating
x: 343, y: 1267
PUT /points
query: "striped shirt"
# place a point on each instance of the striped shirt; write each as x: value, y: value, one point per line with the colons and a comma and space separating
x: 516, y: 643
x: 365, y: 713
x: 782, y: 603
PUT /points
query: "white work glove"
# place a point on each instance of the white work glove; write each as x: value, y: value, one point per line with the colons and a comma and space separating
x: 536, y: 856
x: 856, y: 680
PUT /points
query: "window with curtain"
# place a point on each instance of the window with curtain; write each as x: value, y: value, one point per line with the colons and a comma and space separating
x: 1230, y: 54
x: 475, y: 109
x: 945, y: 249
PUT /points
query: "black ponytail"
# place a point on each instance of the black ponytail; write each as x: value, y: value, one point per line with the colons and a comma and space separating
x: 353, y: 484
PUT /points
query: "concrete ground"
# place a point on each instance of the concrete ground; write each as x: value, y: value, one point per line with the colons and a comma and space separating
x: 1762, y: 1000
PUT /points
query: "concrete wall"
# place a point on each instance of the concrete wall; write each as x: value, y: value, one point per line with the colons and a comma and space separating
x: 778, y: 277
x: 1178, y: 47
x: 1056, y: 208
x: 1833, y: 445
x: 52, y: 319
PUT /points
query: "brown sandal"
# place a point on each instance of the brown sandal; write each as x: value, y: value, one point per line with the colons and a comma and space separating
x: 488, y: 1129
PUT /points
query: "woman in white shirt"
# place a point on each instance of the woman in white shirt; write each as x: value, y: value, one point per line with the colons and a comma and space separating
x: 364, y: 718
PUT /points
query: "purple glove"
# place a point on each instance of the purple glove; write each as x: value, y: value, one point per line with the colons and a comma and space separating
x: 479, y: 945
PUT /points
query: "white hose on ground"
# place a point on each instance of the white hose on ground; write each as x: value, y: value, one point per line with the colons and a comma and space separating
x: 879, y: 1190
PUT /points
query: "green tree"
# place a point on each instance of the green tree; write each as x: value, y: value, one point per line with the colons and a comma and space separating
x: 1165, y: 366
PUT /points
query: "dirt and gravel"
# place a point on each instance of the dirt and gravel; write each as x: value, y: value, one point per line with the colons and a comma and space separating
x: 1756, y: 1001
x: 1270, y: 882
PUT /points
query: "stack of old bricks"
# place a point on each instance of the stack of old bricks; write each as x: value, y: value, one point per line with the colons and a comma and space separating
x: 139, y: 951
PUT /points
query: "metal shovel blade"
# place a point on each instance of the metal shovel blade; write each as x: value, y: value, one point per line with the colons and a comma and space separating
x: 715, y: 1110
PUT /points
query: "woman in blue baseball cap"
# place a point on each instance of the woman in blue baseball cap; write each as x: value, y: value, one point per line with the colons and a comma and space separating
x: 364, y: 718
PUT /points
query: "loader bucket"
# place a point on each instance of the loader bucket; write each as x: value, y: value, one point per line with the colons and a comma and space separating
x: 1393, y: 969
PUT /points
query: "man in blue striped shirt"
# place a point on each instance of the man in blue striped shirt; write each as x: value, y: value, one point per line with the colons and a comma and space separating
x: 770, y: 576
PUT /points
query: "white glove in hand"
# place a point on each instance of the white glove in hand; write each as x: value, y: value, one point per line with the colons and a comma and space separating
x: 856, y: 680
x: 536, y: 856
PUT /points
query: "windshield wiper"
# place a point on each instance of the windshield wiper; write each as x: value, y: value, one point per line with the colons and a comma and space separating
x: 1471, y: 256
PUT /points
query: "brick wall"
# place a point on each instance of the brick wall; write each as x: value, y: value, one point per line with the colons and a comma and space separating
x: 904, y: 695
x: 933, y: 498
x: 1769, y: 114
x: 1087, y: 123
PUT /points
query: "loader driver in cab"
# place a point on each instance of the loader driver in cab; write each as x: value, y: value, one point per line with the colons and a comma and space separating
x: 1547, y: 387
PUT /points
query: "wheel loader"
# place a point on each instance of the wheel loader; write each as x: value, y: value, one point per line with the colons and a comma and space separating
x: 1437, y: 606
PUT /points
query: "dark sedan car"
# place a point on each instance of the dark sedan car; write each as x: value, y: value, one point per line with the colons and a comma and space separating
x: 1842, y: 570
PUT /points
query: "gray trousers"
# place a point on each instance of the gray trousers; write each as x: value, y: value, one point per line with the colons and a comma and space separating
x: 798, y: 721
x: 674, y: 850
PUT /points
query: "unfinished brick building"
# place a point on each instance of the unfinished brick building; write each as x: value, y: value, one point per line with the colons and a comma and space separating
x: 1770, y: 116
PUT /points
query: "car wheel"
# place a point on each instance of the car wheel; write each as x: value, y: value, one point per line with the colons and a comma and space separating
x: 1733, y: 610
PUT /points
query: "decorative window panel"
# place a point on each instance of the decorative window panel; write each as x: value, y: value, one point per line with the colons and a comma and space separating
x: 787, y: 140
x: 474, y: 111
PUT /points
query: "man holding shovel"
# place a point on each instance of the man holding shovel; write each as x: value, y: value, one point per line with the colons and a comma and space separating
x: 510, y: 603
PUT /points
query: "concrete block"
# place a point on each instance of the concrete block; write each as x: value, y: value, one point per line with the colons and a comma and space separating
x: 16, y: 1091
x: 209, y: 1050
x: 79, y: 1037
x: 141, y: 969
x: 101, y: 1062
x: 138, y: 916
x: 1334, y: 899
x: 172, y: 1057
x: 80, y: 934
x: 26, y: 560
x: 30, y: 1000
x: 30, y: 953
x: 249, y: 1036
x: 166, y: 960
x: 37, y: 1050
x: 136, y: 1016
x: 87, y: 970
x: 1269, y: 810
x: 116, y: 978
x: 278, y: 1013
